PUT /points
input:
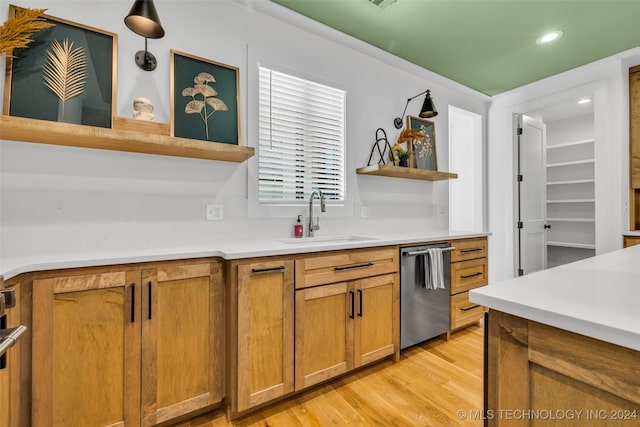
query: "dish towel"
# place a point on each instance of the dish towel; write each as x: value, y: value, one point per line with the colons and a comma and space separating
x: 435, y: 279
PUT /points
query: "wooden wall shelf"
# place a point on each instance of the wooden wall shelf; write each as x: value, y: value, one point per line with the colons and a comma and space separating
x: 402, y: 172
x: 48, y: 132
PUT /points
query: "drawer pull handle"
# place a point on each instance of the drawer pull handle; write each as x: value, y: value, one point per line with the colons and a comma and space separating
x: 470, y: 307
x: 133, y: 303
x: 349, y: 267
x: 472, y: 275
x: 353, y: 305
x: 149, y: 287
x: 267, y: 270
x: 471, y: 250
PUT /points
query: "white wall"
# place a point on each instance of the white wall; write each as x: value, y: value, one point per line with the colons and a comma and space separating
x: 607, y: 80
x: 59, y: 200
x: 466, y: 210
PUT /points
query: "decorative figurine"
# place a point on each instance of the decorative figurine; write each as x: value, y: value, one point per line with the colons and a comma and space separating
x: 142, y: 109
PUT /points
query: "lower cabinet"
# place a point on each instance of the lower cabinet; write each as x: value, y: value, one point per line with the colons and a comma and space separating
x: 342, y: 326
x: 260, y: 327
x: 469, y: 270
x: 134, y: 347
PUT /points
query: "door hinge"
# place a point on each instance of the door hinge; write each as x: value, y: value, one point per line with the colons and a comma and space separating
x: 520, y: 224
x: 520, y: 178
x: 520, y: 272
x: 519, y: 131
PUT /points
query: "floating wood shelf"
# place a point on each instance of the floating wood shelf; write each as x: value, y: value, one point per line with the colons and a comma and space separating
x: 48, y: 132
x: 402, y: 172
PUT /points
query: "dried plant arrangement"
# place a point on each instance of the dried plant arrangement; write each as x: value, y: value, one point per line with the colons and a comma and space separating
x: 199, y: 106
x: 65, y: 70
x: 16, y: 31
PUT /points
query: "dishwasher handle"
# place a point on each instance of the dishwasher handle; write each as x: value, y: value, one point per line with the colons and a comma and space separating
x: 414, y: 253
x: 8, y: 337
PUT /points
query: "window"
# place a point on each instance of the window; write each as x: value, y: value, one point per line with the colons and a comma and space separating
x: 301, y: 139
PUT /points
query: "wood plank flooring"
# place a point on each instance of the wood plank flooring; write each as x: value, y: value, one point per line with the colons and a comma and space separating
x: 428, y: 387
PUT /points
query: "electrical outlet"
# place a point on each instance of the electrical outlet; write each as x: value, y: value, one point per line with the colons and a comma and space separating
x: 214, y: 213
x: 365, y: 212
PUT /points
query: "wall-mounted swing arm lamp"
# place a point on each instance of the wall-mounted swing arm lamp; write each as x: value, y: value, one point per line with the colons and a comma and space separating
x: 427, y: 110
x: 143, y: 20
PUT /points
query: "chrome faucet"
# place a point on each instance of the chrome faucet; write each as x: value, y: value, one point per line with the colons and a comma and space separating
x: 313, y: 227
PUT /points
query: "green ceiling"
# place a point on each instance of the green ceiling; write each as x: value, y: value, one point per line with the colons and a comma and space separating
x: 487, y: 45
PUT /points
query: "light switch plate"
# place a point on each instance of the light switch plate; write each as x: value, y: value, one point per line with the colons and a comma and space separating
x: 214, y: 213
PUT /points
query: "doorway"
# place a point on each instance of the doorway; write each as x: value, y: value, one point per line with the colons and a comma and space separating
x: 556, y: 186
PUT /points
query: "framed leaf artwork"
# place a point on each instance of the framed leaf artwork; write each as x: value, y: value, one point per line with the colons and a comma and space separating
x: 204, y: 99
x: 66, y: 74
x: 424, y: 144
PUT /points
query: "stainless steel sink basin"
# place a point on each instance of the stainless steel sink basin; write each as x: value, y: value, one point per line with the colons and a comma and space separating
x: 326, y: 240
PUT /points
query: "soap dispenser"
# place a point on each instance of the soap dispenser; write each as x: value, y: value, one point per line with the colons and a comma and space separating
x: 297, y: 228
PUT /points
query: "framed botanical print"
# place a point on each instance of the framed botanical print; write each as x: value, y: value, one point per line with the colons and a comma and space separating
x: 424, y: 147
x: 66, y: 74
x: 204, y: 99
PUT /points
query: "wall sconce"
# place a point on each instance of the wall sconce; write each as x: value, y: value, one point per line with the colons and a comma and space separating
x: 427, y: 110
x: 143, y: 20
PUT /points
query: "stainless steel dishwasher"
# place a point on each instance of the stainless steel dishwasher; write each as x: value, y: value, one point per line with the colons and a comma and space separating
x: 424, y: 313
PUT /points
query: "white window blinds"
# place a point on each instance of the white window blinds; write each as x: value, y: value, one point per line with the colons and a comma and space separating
x: 301, y: 138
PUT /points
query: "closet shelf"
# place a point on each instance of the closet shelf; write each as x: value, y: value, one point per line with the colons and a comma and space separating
x: 575, y: 181
x: 572, y: 245
x: 48, y: 132
x: 572, y: 201
x: 571, y: 144
x: 403, y: 172
x: 572, y: 219
x: 572, y: 163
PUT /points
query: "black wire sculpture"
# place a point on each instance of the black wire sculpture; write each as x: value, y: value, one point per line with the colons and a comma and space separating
x: 382, y: 152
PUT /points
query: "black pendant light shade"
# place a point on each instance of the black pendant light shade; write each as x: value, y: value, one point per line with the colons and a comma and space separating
x: 143, y: 20
x: 427, y: 110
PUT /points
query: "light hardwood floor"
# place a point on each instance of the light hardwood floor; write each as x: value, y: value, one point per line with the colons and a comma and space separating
x: 431, y: 385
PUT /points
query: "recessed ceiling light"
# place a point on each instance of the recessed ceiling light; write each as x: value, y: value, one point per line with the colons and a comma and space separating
x: 549, y: 37
x: 584, y: 101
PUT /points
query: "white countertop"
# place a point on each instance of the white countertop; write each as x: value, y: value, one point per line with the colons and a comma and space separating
x: 635, y: 233
x: 598, y: 297
x: 237, y: 249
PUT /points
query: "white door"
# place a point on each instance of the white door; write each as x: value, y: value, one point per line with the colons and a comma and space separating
x: 533, y: 196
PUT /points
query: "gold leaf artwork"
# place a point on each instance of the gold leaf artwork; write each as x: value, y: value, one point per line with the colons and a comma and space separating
x: 206, y: 96
x: 16, y: 32
x: 65, y: 70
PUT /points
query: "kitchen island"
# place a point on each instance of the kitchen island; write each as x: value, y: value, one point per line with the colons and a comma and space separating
x: 564, y: 344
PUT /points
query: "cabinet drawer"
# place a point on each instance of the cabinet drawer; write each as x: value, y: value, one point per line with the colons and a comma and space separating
x: 467, y: 275
x: 464, y: 312
x: 631, y: 241
x: 348, y: 265
x: 469, y: 249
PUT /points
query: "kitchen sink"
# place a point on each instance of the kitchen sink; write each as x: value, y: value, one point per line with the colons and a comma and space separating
x: 326, y: 240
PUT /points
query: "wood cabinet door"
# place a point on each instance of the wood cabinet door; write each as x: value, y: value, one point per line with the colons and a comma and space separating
x: 86, y: 350
x: 324, y: 333
x: 377, y: 317
x: 264, y: 332
x: 182, y: 339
